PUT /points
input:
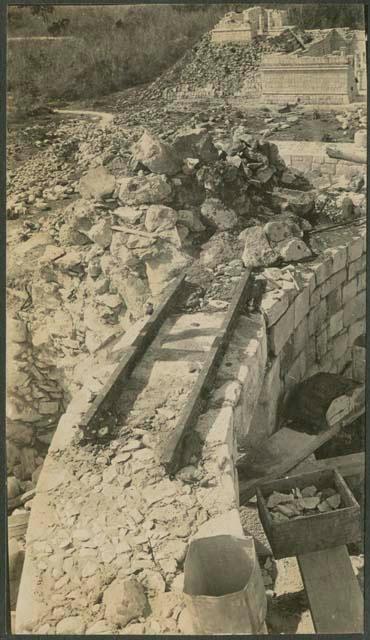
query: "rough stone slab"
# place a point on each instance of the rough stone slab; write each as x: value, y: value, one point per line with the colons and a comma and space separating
x: 355, y: 249
x: 301, y: 306
x: 322, y: 270
x: 227, y: 523
x: 333, y: 283
x: 274, y: 304
x: 280, y: 333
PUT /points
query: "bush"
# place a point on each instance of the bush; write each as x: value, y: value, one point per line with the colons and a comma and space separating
x: 113, y: 48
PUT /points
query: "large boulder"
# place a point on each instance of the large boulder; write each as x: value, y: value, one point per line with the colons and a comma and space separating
x: 195, y: 143
x: 120, y: 252
x: 101, y: 233
x: 79, y: 217
x: 124, y: 600
x: 159, y: 218
x: 293, y: 250
x: 97, y: 184
x: 257, y: 250
x: 129, y: 215
x: 152, y: 189
x: 281, y: 228
x: 301, y: 203
x: 217, y: 215
x: 155, y: 155
x: 190, y: 220
x: 220, y: 249
x: 132, y: 287
x: 165, y: 266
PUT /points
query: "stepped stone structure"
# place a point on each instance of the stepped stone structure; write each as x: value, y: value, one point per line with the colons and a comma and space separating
x: 330, y: 70
x: 243, y: 27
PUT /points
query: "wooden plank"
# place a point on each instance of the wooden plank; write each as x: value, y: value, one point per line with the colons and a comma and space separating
x: 281, y: 453
x: 170, y: 455
x: 131, y: 355
x: 152, y: 326
x: 352, y: 464
x: 333, y: 591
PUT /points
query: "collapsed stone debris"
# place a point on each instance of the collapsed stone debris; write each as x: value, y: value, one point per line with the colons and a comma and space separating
x: 110, y: 217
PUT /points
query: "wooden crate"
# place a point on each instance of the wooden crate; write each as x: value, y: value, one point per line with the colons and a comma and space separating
x: 306, y: 534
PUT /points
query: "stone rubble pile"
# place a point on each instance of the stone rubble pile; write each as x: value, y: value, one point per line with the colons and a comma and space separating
x: 34, y: 403
x: 353, y: 120
x: 343, y: 199
x: 223, y: 69
x: 298, y: 503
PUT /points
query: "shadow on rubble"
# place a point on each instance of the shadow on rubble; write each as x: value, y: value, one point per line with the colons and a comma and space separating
x: 284, y: 612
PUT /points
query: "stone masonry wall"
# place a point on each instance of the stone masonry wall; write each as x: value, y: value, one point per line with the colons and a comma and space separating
x: 312, y: 327
x: 315, y: 80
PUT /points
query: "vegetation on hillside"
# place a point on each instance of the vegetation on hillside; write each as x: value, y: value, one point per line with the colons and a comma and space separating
x: 116, y: 47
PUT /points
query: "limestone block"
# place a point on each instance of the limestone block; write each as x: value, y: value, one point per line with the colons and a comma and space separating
x: 355, y: 249
x: 280, y: 333
x: 338, y: 256
x: 257, y: 251
x: 334, y: 301
x: 217, y: 215
x: 308, y: 279
x: 315, y: 297
x: 274, y: 304
x: 195, y: 143
x: 125, y: 600
x: 293, y: 250
x: 321, y: 345
x: 97, y: 184
x: 333, y: 282
x: 151, y: 189
x: 296, y: 372
x: 286, y: 356
x: 349, y: 291
x: 265, y: 415
x: 322, y: 270
x: 282, y: 229
x: 301, y: 306
x: 361, y: 281
x: 157, y: 156
x: 327, y: 168
x: 356, y: 329
x: 310, y: 350
x: 356, y: 267
x: 354, y: 309
x: 300, y: 337
x: 227, y: 523
x: 159, y: 218
x: 317, y: 317
x: 336, y: 323
x: 101, y: 233
x: 221, y: 431
x: 359, y: 364
x: 130, y: 215
x: 191, y: 220
x: 340, y: 345
x: 229, y: 393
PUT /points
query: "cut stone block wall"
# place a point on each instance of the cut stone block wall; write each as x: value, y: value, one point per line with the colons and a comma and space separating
x: 314, y: 329
x: 310, y: 156
x: 314, y: 80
